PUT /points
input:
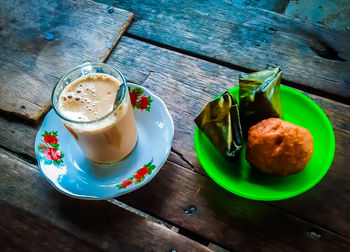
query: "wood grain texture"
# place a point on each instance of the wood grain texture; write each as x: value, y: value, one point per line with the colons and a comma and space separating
x: 333, y: 13
x: 333, y: 189
x: 29, y: 200
x: 18, y: 137
x: 233, y: 222
x: 22, y: 231
x: 308, y: 54
x: 273, y: 5
x: 220, y: 216
x: 41, y: 40
x: 195, y: 82
x: 185, y: 86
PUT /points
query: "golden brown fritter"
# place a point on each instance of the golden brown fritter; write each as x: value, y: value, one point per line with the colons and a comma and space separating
x: 279, y: 148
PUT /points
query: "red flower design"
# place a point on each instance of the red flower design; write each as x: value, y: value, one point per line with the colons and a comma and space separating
x: 139, y: 176
x: 138, y: 100
x: 143, y: 102
x: 50, y: 148
x: 133, y: 98
x: 141, y: 173
x: 126, y: 183
x: 50, y: 139
x: 52, y: 154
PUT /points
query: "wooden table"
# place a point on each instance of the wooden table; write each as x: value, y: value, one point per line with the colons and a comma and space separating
x: 186, y: 52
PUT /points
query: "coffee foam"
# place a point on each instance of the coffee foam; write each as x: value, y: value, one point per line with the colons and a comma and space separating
x: 91, y: 97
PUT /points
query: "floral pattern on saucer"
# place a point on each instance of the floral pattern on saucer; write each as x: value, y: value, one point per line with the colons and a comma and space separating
x: 139, y: 176
x: 74, y: 175
x: 139, y: 100
x: 49, y: 147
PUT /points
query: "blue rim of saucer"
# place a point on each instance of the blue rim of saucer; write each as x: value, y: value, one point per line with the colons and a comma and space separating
x: 63, y: 163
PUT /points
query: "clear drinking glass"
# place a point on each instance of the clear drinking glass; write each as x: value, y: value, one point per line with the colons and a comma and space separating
x: 108, y: 139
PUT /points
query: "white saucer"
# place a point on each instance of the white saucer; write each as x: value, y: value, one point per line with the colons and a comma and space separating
x: 69, y: 171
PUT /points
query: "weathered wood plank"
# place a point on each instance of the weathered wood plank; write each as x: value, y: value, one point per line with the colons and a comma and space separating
x: 18, y: 137
x: 22, y: 231
x: 273, y: 5
x: 195, y: 82
x: 308, y: 54
x: 328, y: 190
x: 248, y: 225
x: 333, y: 13
x: 41, y: 40
x: 98, y: 224
x: 185, y: 86
x: 188, y: 83
x: 226, y: 219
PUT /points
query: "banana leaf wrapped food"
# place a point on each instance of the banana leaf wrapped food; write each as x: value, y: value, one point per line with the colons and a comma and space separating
x: 220, y: 122
x: 259, y: 97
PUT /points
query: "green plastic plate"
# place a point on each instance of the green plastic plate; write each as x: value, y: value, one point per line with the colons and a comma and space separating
x: 240, y: 178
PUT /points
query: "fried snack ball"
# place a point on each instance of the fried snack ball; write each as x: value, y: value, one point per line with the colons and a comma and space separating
x: 279, y: 148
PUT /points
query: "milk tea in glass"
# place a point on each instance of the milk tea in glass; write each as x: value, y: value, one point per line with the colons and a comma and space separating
x: 94, y: 104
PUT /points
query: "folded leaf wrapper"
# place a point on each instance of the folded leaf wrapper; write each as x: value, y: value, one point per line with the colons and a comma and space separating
x: 220, y: 122
x: 259, y: 97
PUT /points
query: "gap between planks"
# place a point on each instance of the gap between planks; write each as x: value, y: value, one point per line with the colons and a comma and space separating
x: 29, y: 161
x: 180, y: 230
x: 301, y: 87
x: 312, y: 233
x: 143, y: 214
x: 32, y: 161
x: 274, y: 206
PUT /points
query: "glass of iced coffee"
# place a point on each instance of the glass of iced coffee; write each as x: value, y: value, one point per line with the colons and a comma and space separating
x: 94, y: 104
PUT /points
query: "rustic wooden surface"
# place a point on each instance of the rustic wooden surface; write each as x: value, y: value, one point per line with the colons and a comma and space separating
x: 333, y: 13
x: 309, y: 54
x: 254, y: 225
x: 182, y: 183
x: 196, y: 83
x: 41, y: 40
x: 318, y: 220
x: 31, y: 208
x: 273, y: 5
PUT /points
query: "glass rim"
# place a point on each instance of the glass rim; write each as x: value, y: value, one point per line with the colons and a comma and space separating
x: 115, y: 106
